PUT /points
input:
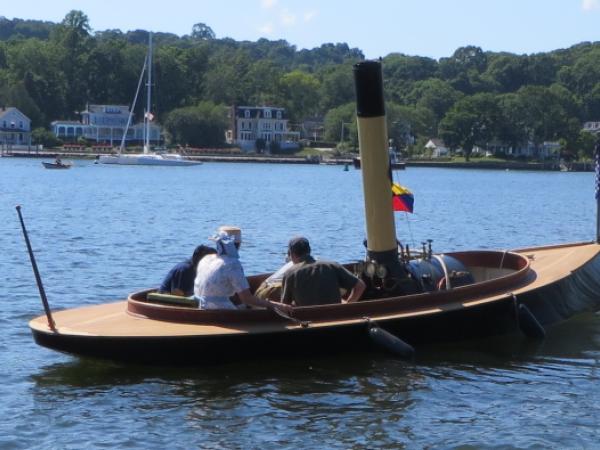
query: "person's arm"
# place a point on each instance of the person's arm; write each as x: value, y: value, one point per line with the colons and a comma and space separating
x: 249, y: 299
x: 356, y: 292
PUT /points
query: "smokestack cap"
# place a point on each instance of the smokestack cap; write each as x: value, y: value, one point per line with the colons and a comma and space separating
x: 368, y: 81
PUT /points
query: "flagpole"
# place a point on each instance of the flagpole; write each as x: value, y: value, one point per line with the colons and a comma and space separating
x: 597, y: 166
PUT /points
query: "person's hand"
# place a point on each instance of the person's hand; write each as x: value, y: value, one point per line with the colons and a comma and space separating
x: 287, y: 309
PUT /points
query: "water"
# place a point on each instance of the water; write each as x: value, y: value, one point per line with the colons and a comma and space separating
x: 100, y: 232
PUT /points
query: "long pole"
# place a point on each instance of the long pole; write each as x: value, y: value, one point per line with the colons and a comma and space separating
x: 38, y: 279
x: 148, y: 97
x: 597, y: 167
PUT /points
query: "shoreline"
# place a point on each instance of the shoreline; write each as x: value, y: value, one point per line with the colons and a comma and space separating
x: 552, y: 166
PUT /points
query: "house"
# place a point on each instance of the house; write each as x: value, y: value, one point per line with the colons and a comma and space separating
x: 592, y: 127
x: 438, y: 148
x: 15, y: 128
x: 529, y: 149
x: 250, y: 123
x: 105, y: 124
x: 313, y: 129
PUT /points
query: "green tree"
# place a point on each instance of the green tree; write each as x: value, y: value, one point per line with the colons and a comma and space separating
x: 200, y: 126
x: 342, y: 116
x: 337, y: 86
x: 437, y: 95
x: 471, y: 121
x: 202, y: 31
x: 299, y: 92
x: 45, y: 137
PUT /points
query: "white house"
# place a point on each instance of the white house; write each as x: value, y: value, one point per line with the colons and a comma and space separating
x: 15, y: 128
x: 249, y: 123
x: 437, y: 147
x: 105, y: 124
x: 592, y: 127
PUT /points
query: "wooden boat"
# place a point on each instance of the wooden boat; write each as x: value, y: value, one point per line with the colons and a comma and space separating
x: 553, y: 283
x: 55, y: 165
x: 411, y: 299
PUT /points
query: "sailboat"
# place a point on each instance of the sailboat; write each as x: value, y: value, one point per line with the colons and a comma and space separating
x: 147, y: 158
x: 412, y: 297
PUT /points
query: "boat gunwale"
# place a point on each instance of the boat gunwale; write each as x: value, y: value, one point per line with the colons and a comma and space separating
x: 426, y: 302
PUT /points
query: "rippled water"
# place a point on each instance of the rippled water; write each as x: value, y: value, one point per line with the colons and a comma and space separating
x: 100, y: 232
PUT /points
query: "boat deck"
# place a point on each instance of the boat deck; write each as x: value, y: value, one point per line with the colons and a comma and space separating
x: 548, y: 265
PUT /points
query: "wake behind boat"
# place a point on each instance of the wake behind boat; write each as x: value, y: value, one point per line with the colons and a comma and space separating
x: 411, y: 298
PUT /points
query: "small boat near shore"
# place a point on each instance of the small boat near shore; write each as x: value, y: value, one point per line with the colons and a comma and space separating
x: 412, y: 297
x: 56, y: 165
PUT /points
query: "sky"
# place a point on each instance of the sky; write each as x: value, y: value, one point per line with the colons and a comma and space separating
x: 432, y: 28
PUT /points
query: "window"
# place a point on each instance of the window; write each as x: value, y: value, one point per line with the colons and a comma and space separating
x: 267, y: 113
x: 279, y: 114
x: 247, y: 114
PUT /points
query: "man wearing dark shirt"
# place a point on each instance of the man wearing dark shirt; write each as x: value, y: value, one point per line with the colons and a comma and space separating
x: 180, y: 279
x: 309, y: 282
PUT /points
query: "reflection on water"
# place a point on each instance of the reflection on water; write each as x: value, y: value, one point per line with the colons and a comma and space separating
x: 480, y: 387
x: 101, y: 232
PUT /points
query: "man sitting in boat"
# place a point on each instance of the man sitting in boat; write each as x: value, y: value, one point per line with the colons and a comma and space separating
x: 311, y: 282
x: 180, y: 279
x: 220, y: 276
x: 270, y: 289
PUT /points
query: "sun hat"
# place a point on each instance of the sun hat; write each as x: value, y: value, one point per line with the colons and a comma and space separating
x: 232, y: 231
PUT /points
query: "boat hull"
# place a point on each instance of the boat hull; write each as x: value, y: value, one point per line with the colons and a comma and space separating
x: 57, y: 166
x: 554, y: 290
x: 146, y: 160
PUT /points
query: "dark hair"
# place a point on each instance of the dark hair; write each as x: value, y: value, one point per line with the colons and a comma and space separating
x: 200, y: 252
x: 299, y: 246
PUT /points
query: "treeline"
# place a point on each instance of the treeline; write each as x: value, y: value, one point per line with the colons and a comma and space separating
x: 51, y: 71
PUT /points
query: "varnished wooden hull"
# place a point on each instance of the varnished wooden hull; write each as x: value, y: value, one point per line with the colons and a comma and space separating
x: 562, y: 281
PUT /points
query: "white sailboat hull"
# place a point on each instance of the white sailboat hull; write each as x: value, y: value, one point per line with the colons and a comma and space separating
x: 149, y: 159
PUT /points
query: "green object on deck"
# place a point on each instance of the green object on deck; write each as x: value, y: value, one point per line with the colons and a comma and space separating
x: 167, y: 299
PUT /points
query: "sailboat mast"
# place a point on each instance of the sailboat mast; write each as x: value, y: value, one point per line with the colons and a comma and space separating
x: 147, y: 115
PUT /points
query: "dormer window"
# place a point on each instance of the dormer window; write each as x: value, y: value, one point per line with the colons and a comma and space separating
x: 247, y: 113
x: 267, y: 113
x: 279, y: 114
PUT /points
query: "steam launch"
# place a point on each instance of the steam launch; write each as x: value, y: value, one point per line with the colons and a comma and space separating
x: 413, y: 296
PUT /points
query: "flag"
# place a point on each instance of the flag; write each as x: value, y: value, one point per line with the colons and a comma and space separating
x: 402, y: 198
x: 149, y: 116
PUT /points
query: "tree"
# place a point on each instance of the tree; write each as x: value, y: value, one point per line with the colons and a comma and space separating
x: 437, y: 95
x: 201, y: 126
x: 471, y: 121
x: 45, y: 137
x: 337, y: 86
x: 299, y: 92
x: 202, y: 32
x: 342, y: 116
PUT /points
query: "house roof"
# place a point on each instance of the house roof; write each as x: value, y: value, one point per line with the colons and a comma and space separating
x: 258, y: 112
x: 5, y: 111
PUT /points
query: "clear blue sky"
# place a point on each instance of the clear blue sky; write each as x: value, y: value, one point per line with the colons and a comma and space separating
x: 433, y: 28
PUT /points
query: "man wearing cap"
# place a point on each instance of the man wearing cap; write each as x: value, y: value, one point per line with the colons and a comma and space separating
x: 309, y: 282
x: 220, y: 276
